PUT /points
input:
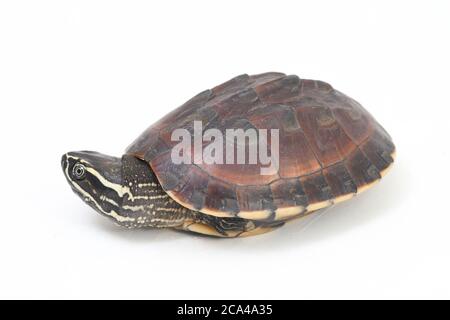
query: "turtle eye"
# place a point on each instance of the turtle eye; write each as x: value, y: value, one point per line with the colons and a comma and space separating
x: 79, y: 171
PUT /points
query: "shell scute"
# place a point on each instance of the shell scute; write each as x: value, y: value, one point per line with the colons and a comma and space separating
x: 157, y: 148
x: 361, y: 169
x: 327, y: 139
x: 279, y: 90
x: 255, y: 199
x: 231, y: 85
x: 194, y: 189
x: 379, y: 149
x: 288, y: 193
x: 316, y: 188
x: 339, y: 180
x: 353, y: 118
x: 274, y: 116
x: 172, y: 176
x: 222, y: 198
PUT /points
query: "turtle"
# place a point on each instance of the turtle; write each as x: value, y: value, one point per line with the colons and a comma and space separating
x: 329, y: 150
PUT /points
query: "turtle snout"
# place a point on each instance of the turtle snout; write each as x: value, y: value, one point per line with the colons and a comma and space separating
x: 64, y: 161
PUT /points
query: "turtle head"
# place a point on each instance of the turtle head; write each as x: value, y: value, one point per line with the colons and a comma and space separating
x: 97, y: 179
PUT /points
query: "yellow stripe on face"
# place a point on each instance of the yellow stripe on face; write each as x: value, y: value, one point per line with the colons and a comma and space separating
x: 120, y: 189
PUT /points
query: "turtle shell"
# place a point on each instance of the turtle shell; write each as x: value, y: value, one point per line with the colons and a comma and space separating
x: 330, y: 148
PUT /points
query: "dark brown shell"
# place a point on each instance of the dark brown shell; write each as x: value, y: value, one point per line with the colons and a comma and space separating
x: 330, y: 148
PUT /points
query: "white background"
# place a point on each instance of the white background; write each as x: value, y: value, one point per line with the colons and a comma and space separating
x: 94, y: 74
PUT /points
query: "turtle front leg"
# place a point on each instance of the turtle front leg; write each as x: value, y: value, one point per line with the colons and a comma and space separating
x: 227, y: 227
